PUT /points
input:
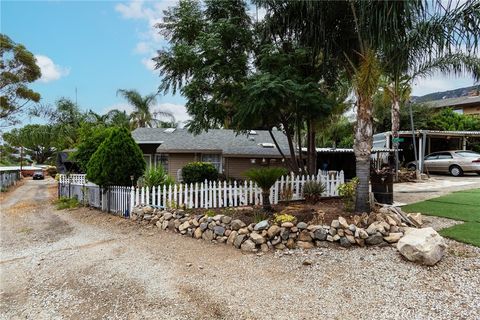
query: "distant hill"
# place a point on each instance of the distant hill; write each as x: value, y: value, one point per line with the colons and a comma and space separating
x: 460, y: 92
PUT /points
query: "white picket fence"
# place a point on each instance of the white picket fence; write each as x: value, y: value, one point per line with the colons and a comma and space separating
x: 208, y: 194
x: 217, y: 194
x: 73, y: 178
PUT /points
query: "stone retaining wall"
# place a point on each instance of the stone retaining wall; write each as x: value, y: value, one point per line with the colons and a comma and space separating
x: 379, y: 228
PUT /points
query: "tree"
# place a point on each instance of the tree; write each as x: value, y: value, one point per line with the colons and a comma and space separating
x: 265, y: 178
x: 116, y: 159
x: 90, y: 139
x: 18, y: 69
x: 143, y: 116
x: 37, y: 140
x: 449, y: 120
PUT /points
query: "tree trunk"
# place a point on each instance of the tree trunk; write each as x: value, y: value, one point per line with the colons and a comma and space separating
x: 395, y: 129
x: 363, y: 149
x: 312, y: 151
x: 267, y: 207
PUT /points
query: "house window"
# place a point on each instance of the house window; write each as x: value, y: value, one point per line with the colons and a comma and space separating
x: 162, y: 160
x: 215, y: 159
x: 148, y: 159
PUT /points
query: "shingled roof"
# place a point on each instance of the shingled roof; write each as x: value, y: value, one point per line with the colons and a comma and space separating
x: 227, y: 142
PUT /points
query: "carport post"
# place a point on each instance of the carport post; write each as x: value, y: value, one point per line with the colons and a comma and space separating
x: 417, y: 173
x: 464, y: 143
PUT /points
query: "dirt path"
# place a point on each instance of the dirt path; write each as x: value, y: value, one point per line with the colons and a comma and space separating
x: 84, y: 264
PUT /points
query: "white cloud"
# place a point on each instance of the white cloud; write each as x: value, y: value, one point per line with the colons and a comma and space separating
x: 50, y: 70
x: 151, y: 13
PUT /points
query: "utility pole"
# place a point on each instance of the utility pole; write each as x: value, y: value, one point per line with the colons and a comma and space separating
x: 76, y: 103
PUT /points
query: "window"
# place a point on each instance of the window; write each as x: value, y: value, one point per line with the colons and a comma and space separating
x: 432, y: 156
x: 148, y: 159
x: 468, y: 154
x: 444, y: 155
x: 162, y: 160
x: 215, y: 159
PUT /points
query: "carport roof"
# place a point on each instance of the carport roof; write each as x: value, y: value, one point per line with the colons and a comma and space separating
x: 439, y: 133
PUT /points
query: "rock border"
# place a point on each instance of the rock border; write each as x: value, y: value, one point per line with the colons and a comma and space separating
x: 374, y: 229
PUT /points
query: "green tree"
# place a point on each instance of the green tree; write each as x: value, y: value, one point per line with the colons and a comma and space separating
x: 449, y: 120
x: 90, y: 139
x: 38, y: 141
x: 18, y: 68
x: 265, y: 178
x: 116, y: 159
x: 143, y: 116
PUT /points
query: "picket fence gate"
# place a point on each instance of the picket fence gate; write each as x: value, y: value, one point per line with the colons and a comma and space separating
x: 208, y: 194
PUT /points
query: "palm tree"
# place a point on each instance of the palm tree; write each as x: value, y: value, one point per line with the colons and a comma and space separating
x: 142, y: 116
x: 265, y: 178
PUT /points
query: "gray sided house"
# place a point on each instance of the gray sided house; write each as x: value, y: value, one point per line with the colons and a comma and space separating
x: 231, y: 153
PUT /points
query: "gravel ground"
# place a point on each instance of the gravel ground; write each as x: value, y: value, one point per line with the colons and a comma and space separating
x: 83, y: 264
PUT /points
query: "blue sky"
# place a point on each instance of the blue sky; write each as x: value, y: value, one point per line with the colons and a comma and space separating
x: 101, y: 46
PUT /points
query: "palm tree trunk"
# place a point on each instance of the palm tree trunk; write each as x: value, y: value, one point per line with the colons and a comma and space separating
x: 395, y: 129
x: 267, y: 207
x: 362, y: 149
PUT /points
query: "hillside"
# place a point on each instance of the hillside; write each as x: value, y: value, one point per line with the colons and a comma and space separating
x: 460, y: 92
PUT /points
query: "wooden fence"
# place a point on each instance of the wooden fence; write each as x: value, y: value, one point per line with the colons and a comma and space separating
x: 208, y: 194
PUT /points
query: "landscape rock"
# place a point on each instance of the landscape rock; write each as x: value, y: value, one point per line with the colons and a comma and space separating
x: 424, y: 246
x: 237, y: 224
x: 226, y: 219
x: 304, y: 245
x: 198, y: 233
x: 393, y: 237
x: 257, y: 238
x: 335, y: 224
x: 273, y: 231
x: 320, y: 234
x: 287, y: 225
x: 219, y: 231
x: 344, y: 242
x: 302, y: 225
x: 304, y: 236
x: 374, y: 239
x: 262, y: 225
x: 248, y: 246
x: 167, y: 215
x: 232, y: 237
x: 343, y: 222
x: 239, y: 240
x: 207, y: 235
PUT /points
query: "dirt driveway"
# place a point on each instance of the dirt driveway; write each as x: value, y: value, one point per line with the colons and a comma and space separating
x: 84, y: 264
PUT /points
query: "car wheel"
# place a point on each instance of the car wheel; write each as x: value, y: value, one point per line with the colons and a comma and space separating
x: 412, y: 167
x: 456, y: 171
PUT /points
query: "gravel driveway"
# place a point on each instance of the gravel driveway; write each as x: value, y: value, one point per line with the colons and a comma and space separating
x: 84, y: 264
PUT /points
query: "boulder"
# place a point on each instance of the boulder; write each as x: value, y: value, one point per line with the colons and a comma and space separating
x: 285, y: 234
x: 350, y: 238
x: 393, y: 237
x: 219, y: 231
x: 203, y: 226
x: 290, y: 243
x: 302, y: 225
x: 424, y: 246
x: 374, y: 239
x: 273, y: 231
x: 243, y: 231
x: 345, y: 243
x: 335, y: 224
x: 208, y: 235
x: 237, y: 224
x: 198, y: 233
x: 232, y: 237
x: 262, y: 225
x: 287, y: 225
x: 248, y: 246
x: 343, y: 222
x: 184, y: 226
x: 167, y: 215
x: 320, y: 234
x: 226, y: 219
x: 239, y: 240
x: 257, y: 238
x: 305, y: 236
x: 217, y: 217
x: 362, y: 234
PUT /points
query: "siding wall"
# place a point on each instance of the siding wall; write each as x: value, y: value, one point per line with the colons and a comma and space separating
x: 177, y: 161
x: 235, y: 167
x: 472, y: 110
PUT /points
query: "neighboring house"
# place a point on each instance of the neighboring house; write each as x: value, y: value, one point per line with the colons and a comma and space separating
x: 464, y: 105
x: 231, y: 153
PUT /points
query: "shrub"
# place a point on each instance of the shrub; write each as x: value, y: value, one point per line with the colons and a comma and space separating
x: 210, y: 213
x: 312, y: 191
x: 67, y: 203
x: 281, y: 218
x: 265, y: 178
x: 117, y: 158
x: 347, y: 192
x: 52, y: 171
x: 199, y: 172
x: 90, y: 140
x: 157, y: 177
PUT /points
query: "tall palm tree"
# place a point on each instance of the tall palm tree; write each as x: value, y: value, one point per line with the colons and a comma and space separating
x: 143, y: 116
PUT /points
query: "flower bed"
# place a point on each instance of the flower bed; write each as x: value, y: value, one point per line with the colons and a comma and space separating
x: 376, y: 228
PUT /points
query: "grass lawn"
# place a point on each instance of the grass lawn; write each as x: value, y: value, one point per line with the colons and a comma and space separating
x: 463, y: 206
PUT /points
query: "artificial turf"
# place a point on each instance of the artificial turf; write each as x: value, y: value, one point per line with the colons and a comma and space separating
x: 461, y: 205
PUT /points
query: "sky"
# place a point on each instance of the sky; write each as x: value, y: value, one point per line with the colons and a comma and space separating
x: 95, y: 48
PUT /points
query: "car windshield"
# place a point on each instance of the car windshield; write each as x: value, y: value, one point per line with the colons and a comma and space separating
x: 38, y: 172
x: 468, y: 154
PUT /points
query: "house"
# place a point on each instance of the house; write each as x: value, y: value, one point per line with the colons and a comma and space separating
x: 230, y: 152
x: 464, y: 105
